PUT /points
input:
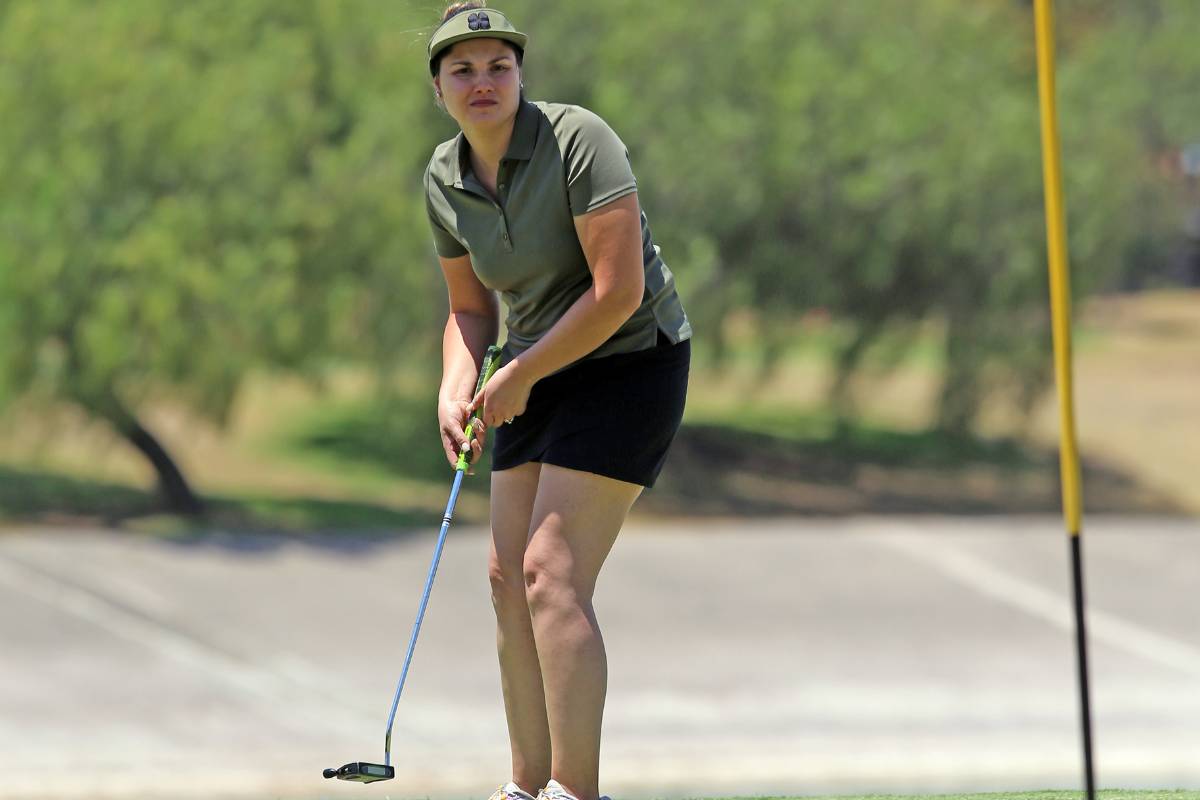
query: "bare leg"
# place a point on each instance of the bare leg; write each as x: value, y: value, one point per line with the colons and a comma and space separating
x: 513, y: 492
x: 576, y: 519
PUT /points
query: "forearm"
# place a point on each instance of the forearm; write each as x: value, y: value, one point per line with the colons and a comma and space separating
x: 611, y: 238
x: 464, y: 341
x: 586, y: 325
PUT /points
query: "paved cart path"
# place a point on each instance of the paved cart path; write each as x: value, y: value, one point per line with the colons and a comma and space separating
x: 784, y: 656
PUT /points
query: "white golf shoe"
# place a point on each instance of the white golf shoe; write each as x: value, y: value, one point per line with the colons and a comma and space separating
x: 555, y: 791
x: 510, y: 791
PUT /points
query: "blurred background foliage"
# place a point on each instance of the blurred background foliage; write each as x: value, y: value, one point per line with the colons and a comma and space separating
x: 196, y: 193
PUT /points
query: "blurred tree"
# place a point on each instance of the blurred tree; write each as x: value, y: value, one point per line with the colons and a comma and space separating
x: 191, y: 195
x: 1135, y: 68
x: 877, y: 159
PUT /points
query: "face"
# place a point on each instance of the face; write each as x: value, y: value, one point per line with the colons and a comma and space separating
x: 480, y: 82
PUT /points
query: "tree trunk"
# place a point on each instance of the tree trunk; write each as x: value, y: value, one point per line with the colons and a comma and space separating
x: 176, y: 492
x: 846, y: 363
x: 961, y: 394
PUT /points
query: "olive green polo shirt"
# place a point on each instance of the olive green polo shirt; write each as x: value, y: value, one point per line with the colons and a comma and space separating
x: 562, y: 161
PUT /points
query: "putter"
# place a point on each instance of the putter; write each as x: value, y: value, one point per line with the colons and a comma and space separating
x: 363, y: 771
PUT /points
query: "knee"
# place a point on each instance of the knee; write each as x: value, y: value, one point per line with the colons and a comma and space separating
x: 508, y: 588
x: 544, y: 587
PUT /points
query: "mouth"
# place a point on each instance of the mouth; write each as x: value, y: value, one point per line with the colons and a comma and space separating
x: 483, y: 103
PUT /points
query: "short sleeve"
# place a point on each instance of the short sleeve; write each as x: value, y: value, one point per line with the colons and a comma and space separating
x: 443, y: 241
x: 597, y: 165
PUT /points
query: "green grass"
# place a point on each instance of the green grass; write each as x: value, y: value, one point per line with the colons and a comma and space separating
x: 866, y: 441
x: 44, y: 497
x: 378, y: 439
x: 752, y: 443
x: 27, y: 494
x: 376, y: 464
x: 394, y: 439
x: 1105, y: 794
x: 751, y: 459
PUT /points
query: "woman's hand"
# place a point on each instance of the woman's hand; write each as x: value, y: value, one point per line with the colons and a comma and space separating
x: 452, y: 419
x: 505, y: 395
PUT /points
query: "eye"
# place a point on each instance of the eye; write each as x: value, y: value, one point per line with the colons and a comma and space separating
x: 500, y: 68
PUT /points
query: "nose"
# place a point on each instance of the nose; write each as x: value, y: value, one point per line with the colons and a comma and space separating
x: 483, y: 85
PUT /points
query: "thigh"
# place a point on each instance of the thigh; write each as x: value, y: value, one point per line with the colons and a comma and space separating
x: 512, y: 499
x: 575, y: 521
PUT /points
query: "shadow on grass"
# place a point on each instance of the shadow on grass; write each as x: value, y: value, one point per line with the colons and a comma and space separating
x: 30, y: 496
x: 396, y: 437
x: 764, y: 464
x: 717, y: 470
x: 757, y: 467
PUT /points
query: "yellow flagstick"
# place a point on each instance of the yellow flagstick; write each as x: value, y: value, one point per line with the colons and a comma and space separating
x: 1060, y: 302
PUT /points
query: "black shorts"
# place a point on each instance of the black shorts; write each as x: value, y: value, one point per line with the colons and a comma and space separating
x: 613, y: 416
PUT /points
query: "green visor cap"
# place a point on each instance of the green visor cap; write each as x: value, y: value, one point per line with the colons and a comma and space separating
x: 478, y: 23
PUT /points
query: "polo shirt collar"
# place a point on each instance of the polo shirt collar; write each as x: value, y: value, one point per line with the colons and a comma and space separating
x: 520, y: 146
x: 525, y: 130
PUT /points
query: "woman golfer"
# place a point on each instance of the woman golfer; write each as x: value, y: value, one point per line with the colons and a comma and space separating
x: 536, y: 202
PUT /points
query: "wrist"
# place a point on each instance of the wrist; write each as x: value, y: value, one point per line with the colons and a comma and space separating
x: 449, y: 398
x: 525, y: 369
x: 457, y: 391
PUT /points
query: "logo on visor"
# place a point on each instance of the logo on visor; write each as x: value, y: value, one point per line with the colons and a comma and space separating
x: 479, y: 21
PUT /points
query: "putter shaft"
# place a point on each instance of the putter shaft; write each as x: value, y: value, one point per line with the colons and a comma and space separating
x: 491, y: 361
x: 416, y: 631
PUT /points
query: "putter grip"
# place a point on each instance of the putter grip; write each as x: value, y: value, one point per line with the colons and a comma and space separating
x: 491, y: 360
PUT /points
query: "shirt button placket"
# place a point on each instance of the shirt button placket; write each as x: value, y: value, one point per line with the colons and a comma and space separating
x: 500, y: 187
x: 504, y: 229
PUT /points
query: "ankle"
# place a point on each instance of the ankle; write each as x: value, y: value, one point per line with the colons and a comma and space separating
x: 531, y: 786
x: 575, y: 790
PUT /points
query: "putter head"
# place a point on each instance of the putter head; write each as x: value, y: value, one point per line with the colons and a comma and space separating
x: 361, y: 772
